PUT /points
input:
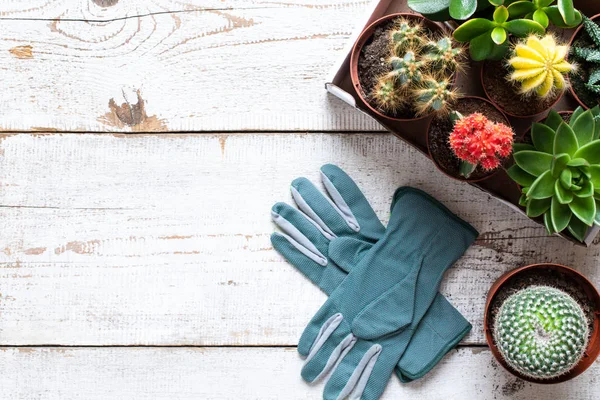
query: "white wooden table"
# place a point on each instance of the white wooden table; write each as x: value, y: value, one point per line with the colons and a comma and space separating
x: 139, y: 266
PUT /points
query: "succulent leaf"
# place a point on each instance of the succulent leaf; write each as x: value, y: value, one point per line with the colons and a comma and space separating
x: 536, y: 207
x: 565, y: 140
x: 533, y: 162
x: 584, y: 127
x: 543, y: 187
x: 590, y: 152
x: 584, y: 208
x: 560, y: 215
x: 543, y: 137
x: 521, y: 177
x: 553, y: 121
x: 559, y: 163
x: 562, y: 195
x: 578, y: 229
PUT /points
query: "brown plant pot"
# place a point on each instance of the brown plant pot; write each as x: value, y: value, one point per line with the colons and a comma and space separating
x: 577, y: 31
x: 587, y: 290
x: 364, y: 38
x: 434, y: 156
x: 484, y: 70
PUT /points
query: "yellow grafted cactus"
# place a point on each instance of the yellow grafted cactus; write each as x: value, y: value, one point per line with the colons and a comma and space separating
x: 539, y: 65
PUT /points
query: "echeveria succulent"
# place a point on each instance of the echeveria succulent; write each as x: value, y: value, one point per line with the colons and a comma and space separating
x: 560, y: 172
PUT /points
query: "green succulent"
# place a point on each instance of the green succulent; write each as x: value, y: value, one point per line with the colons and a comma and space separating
x: 443, y: 10
x: 563, y: 15
x: 591, y: 55
x: 560, y: 172
x: 489, y: 39
x: 541, y: 332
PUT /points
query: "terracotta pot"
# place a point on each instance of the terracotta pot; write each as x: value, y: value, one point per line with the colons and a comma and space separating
x: 364, y: 37
x: 432, y: 155
x: 581, y: 103
x: 593, y: 348
x: 506, y: 112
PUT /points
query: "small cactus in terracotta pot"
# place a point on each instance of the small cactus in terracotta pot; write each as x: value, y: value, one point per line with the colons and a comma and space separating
x: 404, y: 68
x: 541, y: 332
x: 478, y: 141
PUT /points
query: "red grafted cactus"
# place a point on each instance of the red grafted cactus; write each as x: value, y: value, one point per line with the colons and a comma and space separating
x: 479, y: 141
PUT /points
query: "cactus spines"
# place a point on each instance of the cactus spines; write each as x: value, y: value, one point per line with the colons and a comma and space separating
x: 541, y: 332
x: 386, y: 95
x: 443, y: 55
x: 407, y: 69
x: 540, y: 66
x: 434, y: 95
x: 406, y: 35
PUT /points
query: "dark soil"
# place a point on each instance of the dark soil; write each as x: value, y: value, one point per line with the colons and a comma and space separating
x: 579, y: 78
x: 372, y: 64
x: 440, y: 130
x: 506, y: 95
x: 543, y: 277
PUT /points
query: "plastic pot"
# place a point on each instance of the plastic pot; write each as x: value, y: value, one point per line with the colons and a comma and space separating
x: 584, y: 285
x: 364, y: 38
x: 432, y: 154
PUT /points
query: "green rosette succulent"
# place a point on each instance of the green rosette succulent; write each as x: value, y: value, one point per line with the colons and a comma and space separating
x: 541, y: 332
x: 560, y: 172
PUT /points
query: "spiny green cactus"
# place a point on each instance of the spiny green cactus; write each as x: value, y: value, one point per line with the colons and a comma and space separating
x: 591, y: 55
x: 405, y: 35
x: 415, y: 55
x: 560, y: 173
x: 434, y: 95
x: 541, y: 332
x: 407, y: 69
x: 386, y: 96
x: 443, y: 55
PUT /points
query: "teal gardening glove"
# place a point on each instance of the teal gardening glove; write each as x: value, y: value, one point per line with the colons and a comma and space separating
x: 363, y: 329
x: 351, y: 224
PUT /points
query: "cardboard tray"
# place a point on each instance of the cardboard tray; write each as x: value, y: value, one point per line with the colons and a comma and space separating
x: 499, y: 186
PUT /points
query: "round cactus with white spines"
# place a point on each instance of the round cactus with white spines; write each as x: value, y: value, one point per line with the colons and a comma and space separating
x: 541, y: 332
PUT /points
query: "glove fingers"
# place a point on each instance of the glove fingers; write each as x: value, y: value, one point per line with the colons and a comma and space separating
x: 351, y: 201
x: 351, y: 376
x: 320, y: 209
x: 332, y: 343
x: 310, y: 264
x: 299, y: 227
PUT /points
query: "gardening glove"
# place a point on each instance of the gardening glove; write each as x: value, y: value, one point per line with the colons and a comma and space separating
x: 306, y: 244
x: 363, y: 329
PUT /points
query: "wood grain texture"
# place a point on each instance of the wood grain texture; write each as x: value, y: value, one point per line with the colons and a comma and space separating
x: 164, y: 239
x: 157, y: 66
x: 247, y: 373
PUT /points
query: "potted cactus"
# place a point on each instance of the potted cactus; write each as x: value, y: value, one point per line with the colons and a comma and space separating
x: 585, y: 49
x: 472, y: 142
x: 559, y: 173
x: 532, y: 80
x: 403, y: 67
x: 541, y: 322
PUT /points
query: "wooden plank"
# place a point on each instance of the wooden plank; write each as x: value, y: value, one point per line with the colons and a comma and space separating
x: 193, y: 66
x: 164, y: 239
x: 248, y: 373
